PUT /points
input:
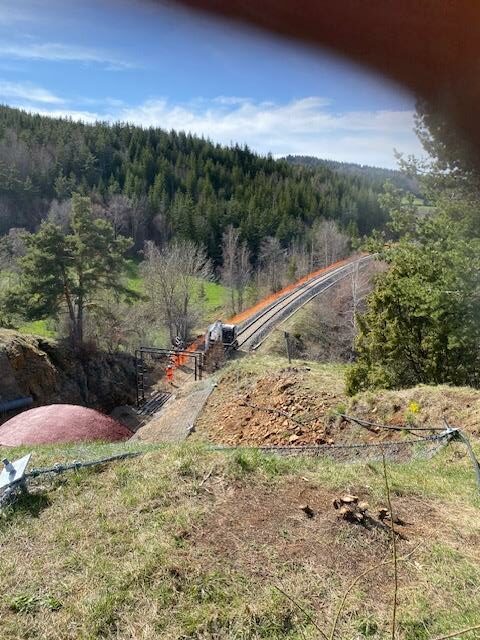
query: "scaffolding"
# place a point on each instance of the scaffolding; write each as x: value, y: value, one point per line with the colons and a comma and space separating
x: 175, y: 358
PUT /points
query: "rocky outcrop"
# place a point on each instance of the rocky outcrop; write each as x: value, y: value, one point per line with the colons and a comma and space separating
x: 51, y: 372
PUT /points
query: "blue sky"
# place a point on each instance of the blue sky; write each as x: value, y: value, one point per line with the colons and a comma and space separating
x: 138, y: 62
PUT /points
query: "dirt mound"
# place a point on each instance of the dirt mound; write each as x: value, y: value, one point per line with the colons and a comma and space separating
x: 60, y: 423
x: 278, y: 408
x: 301, y: 405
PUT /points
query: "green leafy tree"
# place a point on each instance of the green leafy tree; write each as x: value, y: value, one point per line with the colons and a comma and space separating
x: 421, y: 324
x: 69, y: 270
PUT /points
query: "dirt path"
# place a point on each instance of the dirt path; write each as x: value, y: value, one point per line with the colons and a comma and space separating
x: 177, y: 416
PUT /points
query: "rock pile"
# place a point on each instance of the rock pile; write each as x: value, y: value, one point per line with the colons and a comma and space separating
x: 275, y: 411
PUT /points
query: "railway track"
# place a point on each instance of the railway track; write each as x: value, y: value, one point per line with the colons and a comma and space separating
x: 253, y: 331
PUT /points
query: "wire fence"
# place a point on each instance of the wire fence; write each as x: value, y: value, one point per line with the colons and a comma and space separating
x: 422, y: 447
x: 395, y: 451
x: 107, y: 453
x: 13, y: 490
x: 405, y: 450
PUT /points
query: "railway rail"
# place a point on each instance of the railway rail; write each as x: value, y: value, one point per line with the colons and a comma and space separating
x: 251, y: 331
x: 254, y: 330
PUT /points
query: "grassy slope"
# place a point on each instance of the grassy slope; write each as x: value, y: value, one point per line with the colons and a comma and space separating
x: 38, y: 327
x: 41, y: 328
x: 216, y: 295
x: 189, y: 543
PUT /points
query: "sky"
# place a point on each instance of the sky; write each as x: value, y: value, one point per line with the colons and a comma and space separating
x: 158, y: 65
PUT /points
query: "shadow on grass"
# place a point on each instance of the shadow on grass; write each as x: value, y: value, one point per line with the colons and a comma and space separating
x: 31, y: 504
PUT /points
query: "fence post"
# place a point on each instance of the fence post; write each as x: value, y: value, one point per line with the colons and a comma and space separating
x: 287, y: 341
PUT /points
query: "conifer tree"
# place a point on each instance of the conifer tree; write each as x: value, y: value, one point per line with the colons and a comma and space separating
x: 65, y: 271
x: 421, y: 323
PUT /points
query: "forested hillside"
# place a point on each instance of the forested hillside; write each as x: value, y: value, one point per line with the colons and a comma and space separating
x: 375, y: 176
x: 153, y: 184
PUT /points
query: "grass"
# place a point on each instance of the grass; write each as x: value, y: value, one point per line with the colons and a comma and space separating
x: 215, y: 295
x: 215, y: 299
x: 189, y: 543
x: 134, y: 278
x: 260, y: 363
x: 38, y: 328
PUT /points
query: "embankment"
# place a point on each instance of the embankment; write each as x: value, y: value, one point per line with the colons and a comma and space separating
x: 50, y: 371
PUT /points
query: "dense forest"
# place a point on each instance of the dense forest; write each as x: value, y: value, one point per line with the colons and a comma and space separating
x: 374, y: 176
x: 158, y: 185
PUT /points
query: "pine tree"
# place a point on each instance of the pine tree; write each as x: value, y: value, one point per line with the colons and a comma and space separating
x: 42, y: 159
x: 67, y: 270
x: 421, y: 323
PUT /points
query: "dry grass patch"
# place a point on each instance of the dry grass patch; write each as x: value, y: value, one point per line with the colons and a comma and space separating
x: 422, y: 405
x: 187, y: 543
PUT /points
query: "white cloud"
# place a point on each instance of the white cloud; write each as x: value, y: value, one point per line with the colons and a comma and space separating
x: 229, y: 100
x: 74, y: 114
x: 307, y: 126
x: 27, y: 91
x: 59, y: 52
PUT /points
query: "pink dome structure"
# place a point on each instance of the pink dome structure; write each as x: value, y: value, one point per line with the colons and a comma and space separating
x: 60, y: 423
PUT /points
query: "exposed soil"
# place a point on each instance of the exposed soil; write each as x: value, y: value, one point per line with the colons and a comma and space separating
x: 257, y: 529
x: 300, y: 405
x: 255, y: 526
x: 277, y: 408
x: 50, y: 372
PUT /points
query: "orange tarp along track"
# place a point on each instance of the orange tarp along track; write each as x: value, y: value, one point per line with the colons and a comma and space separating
x: 243, y: 315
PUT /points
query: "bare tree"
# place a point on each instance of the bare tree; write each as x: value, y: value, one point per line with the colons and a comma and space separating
x: 298, y: 261
x: 15, y: 152
x: 116, y: 326
x: 12, y: 248
x: 118, y: 212
x: 236, y: 268
x: 360, y: 285
x: 272, y: 259
x: 328, y: 243
x: 161, y: 228
x: 325, y: 330
x: 228, y: 271
x: 60, y: 213
x: 244, y: 274
x: 171, y: 274
x: 127, y: 217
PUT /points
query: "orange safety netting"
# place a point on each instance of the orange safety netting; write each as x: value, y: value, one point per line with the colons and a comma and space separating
x: 181, y: 359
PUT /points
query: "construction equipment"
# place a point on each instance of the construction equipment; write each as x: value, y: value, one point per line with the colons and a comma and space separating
x: 221, y: 332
